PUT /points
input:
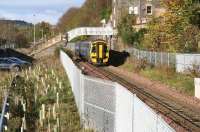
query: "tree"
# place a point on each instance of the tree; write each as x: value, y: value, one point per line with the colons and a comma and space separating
x: 21, y: 40
x: 128, y: 34
x: 14, y: 32
x: 174, y: 31
x: 89, y: 14
x: 43, y: 29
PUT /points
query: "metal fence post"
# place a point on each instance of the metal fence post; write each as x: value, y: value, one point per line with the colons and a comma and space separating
x: 133, y: 113
x: 161, y: 58
x: 82, y: 97
x: 155, y: 57
x: 157, y: 122
x: 167, y: 59
x: 184, y: 62
x: 150, y: 57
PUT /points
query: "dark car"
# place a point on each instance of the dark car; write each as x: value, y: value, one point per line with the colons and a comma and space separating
x: 13, y: 63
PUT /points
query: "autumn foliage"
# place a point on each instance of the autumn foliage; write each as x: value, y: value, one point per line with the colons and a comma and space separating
x: 89, y: 14
x: 178, y: 30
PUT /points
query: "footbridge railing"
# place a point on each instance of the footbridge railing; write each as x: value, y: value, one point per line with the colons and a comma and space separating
x: 90, y: 31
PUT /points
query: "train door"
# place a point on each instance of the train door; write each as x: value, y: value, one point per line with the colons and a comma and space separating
x: 99, y: 53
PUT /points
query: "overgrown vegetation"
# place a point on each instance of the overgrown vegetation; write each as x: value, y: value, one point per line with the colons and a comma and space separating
x: 89, y: 14
x: 46, y: 94
x: 181, y: 82
x: 22, y: 34
x: 128, y: 34
x: 67, y: 51
x: 177, y: 30
x: 80, y: 38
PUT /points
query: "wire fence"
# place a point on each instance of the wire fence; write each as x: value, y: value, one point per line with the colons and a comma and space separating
x: 155, y: 58
x: 182, y: 62
x: 4, y: 46
x: 109, y: 107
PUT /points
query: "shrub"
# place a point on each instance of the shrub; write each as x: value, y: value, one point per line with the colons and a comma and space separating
x: 67, y: 51
x: 194, y: 71
x: 140, y: 65
x: 168, y: 71
x: 57, y: 52
x: 129, y: 34
x: 80, y: 38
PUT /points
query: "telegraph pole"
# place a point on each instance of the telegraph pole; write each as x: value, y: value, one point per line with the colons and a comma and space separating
x: 34, y: 31
x: 42, y: 35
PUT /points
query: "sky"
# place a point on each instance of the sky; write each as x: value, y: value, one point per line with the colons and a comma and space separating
x: 36, y: 10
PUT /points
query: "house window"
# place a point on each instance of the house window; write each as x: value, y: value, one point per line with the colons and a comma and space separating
x: 149, y: 9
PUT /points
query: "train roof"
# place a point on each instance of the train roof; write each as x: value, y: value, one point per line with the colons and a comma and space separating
x: 98, y: 40
x: 84, y: 42
x: 92, y: 42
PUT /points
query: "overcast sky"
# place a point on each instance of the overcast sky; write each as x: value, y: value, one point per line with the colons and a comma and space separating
x: 44, y: 10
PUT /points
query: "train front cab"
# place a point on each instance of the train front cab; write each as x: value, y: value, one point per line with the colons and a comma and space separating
x: 99, y: 53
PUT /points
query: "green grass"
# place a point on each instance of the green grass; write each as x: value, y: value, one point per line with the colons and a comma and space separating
x: 128, y: 66
x: 181, y: 82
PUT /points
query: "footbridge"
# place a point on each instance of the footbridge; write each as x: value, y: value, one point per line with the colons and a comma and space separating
x: 90, y: 31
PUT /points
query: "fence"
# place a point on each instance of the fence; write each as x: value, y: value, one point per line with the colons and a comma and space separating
x: 185, y: 62
x: 182, y: 62
x: 4, y: 46
x: 47, y: 44
x: 155, y: 58
x: 108, y: 107
x: 197, y: 87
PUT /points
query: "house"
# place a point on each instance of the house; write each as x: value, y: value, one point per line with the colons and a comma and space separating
x: 144, y: 10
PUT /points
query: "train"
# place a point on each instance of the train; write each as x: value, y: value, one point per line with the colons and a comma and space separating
x: 95, y: 52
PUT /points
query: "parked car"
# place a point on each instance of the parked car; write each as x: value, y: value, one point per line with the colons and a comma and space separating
x: 13, y: 63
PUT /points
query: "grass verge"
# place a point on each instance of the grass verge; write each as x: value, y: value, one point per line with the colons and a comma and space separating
x: 181, y: 82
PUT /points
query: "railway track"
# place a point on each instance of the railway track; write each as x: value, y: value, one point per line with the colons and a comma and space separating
x: 178, y: 117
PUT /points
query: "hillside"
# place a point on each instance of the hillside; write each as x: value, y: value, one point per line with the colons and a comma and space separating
x: 89, y: 14
x: 16, y: 22
x: 20, y: 33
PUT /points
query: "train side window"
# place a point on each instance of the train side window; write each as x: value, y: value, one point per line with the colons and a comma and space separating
x: 105, y: 49
x: 149, y: 9
x: 94, y: 49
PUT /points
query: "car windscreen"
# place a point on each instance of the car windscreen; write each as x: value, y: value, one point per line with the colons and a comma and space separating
x: 4, y: 61
x: 1, y: 61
